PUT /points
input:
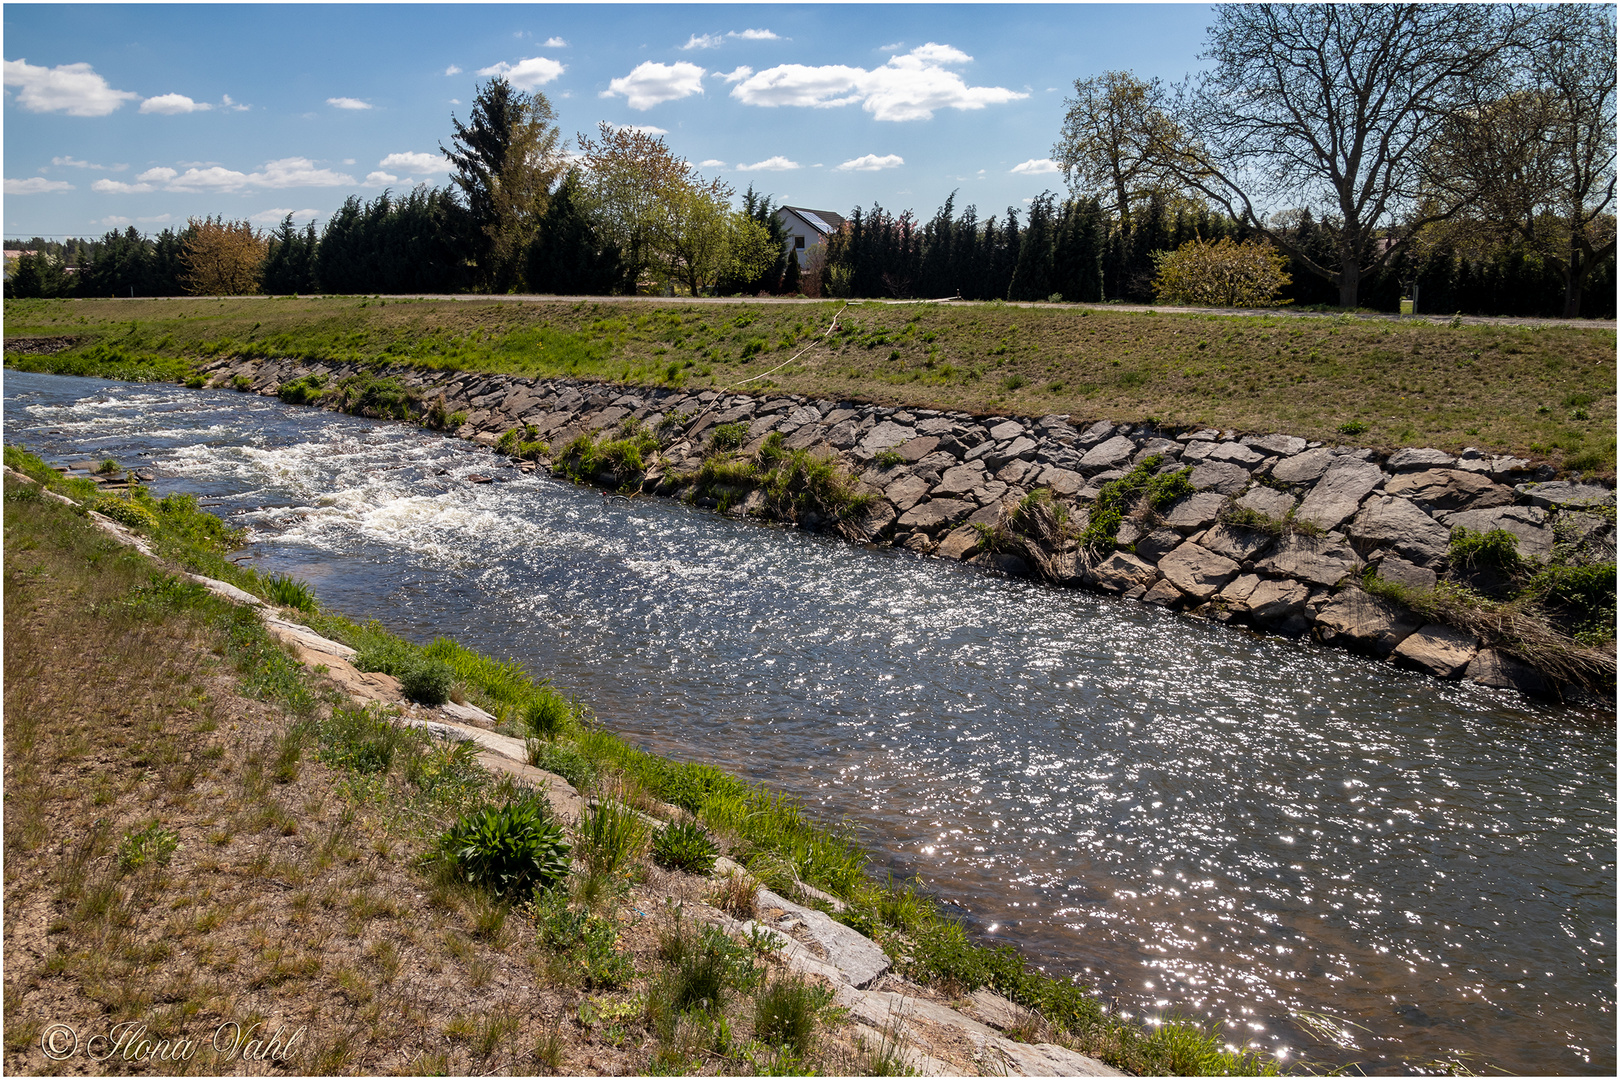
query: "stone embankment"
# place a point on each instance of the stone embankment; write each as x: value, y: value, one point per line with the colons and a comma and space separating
x: 1276, y: 533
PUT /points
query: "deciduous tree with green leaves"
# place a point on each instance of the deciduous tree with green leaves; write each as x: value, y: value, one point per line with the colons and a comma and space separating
x: 1221, y: 273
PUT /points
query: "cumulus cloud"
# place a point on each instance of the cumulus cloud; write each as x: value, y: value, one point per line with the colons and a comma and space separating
x: 738, y: 75
x: 347, y: 103
x: 650, y: 84
x: 703, y: 41
x: 872, y: 163
x: 35, y: 185
x: 173, y: 105
x: 414, y: 162
x: 770, y: 164
x: 555, y: 43
x: 711, y: 163
x: 1036, y: 167
x: 754, y: 35
x: 75, y: 89
x: 115, y: 221
x: 908, y: 87
x: 452, y: 70
x: 380, y: 179
x: 68, y: 160
x: 281, y: 173
x: 527, y: 74
x: 225, y: 102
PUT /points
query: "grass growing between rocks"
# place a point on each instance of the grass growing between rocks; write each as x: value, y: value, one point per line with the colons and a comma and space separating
x: 319, y: 849
x: 1541, y: 392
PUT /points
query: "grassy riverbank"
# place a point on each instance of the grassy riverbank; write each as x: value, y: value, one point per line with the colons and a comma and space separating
x: 200, y: 831
x: 1546, y: 393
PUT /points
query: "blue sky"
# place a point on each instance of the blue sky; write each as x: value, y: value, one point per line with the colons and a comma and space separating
x: 149, y: 114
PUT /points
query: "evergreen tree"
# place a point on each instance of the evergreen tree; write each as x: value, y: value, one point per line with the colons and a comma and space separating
x: 290, y: 267
x: 116, y: 266
x: 1032, y: 277
x: 569, y: 255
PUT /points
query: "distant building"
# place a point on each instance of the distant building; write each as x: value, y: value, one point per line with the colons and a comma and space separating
x: 12, y: 255
x: 807, y: 229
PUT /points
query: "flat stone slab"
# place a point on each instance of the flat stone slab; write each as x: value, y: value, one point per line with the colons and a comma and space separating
x: 1316, y: 559
x: 1366, y: 622
x: 1449, y: 489
x: 1285, y: 445
x: 906, y: 492
x: 859, y: 961
x: 1197, y: 571
x: 1339, y: 492
x: 1236, y: 453
x: 1275, y: 601
x: 928, y: 516
x: 1221, y: 477
x: 1439, y: 650
x: 1122, y: 571
x: 1268, y: 501
x: 1235, y: 542
x: 1304, y: 468
x: 1564, y: 493
x: 958, y: 543
x: 1491, y: 667
x: 1109, y: 454
x: 882, y: 437
x: 1388, y: 521
x: 1528, y: 523
x: 1394, y: 568
x: 1194, y: 511
x: 959, y: 480
x: 1426, y: 458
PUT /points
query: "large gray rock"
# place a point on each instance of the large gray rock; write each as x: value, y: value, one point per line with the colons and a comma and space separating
x: 906, y: 492
x: 929, y: 516
x: 858, y: 959
x: 1439, y: 650
x: 1155, y: 545
x: 876, y: 518
x: 1527, y: 523
x: 960, y: 480
x: 1021, y: 447
x: 1387, y: 521
x: 1221, y: 477
x: 1410, y: 460
x: 1396, y: 569
x: 882, y: 437
x: 1303, y: 468
x: 1339, y: 493
x: 1108, y: 455
x: 1316, y: 559
x: 1276, y: 601
x: 1121, y: 572
x: 1009, y: 429
x: 1364, y: 622
x: 912, y: 450
x: 1193, y: 512
x: 1564, y: 493
x: 1492, y: 667
x: 959, y: 543
x: 1284, y: 445
x: 1236, y: 543
x: 1268, y: 501
x: 1236, y: 453
x: 1096, y: 433
x: 1449, y: 489
x: 1197, y: 571
x: 1063, y: 482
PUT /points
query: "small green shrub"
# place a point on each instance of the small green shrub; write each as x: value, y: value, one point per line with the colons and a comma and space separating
x: 728, y: 436
x: 1014, y: 382
x: 787, y: 1011
x: 153, y: 845
x: 427, y: 682
x: 611, y: 837
x: 361, y: 740
x: 685, y: 846
x: 125, y: 512
x: 1497, y: 549
x: 512, y: 849
x: 564, y: 759
x: 303, y: 391
x: 1353, y: 427
x: 546, y: 714
x: 108, y: 467
x: 587, y: 939
x: 888, y: 458
x: 1143, y: 485
x: 242, y: 383
x: 289, y: 592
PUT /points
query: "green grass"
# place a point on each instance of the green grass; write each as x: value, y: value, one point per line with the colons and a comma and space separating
x: 1543, y: 392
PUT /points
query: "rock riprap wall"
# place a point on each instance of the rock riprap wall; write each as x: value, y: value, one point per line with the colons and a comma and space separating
x: 1270, y: 531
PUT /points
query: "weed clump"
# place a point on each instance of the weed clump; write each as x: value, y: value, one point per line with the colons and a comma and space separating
x: 1143, y: 486
x: 153, y: 845
x: 307, y: 390
x: 289, y: 592
x: 512, y: 849
x: 685, y: 846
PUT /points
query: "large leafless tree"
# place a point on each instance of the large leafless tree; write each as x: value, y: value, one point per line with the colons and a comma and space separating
x: 1335, y: 107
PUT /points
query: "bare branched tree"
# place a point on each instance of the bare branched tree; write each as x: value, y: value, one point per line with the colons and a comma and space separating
x: 1335, y: 107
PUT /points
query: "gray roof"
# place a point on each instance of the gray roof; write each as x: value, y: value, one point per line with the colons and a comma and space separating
x: 823, y: 221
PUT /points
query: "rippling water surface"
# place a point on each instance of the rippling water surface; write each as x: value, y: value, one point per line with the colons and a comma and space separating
x: 1333, y: 857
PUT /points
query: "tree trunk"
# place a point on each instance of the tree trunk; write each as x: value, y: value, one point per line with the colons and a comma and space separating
x: 1349, y: 281
x: 1573, y: 279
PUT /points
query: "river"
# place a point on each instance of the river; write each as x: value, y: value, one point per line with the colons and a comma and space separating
x: 1337, y: 859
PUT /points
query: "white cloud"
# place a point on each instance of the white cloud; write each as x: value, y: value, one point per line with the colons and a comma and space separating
x: 527, y: 74
x: 71, y: 88
x: 896, y: 47
x: 1035, y: 167
x: 414, y: 162
x: 711, y: 163
x: 173, y: 105
x: 738, y: 75
x: 76, y: 163
x: 35, y: 185
x: 225, y: 102
x: 703, y: 41
x: 452, y: 70
x: 645, y: 129
x: 872, y: 163
x: 908, y: 87
x: 555, y: 43
x: 754, y: 35
x: 650, y: 83
x: 115, y: 221
x: 770, y: 164
x: 161, y: 219
x: 347, y: 103
x: 380, y: 179
x: 281, y: 173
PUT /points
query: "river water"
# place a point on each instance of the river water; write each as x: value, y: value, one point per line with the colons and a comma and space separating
x: 1337, y: 859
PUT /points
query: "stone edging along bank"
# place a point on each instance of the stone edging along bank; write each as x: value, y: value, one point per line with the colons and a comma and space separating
x: 1276, y: 532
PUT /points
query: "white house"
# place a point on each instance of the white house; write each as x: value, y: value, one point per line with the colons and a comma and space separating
x: 807, y: 229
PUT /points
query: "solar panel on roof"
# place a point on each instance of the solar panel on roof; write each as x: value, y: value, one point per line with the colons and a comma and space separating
x: 816, y: 221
